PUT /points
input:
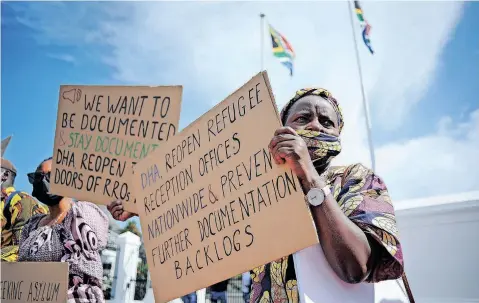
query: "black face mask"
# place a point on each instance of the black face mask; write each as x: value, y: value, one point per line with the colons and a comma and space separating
x: 41, y: 191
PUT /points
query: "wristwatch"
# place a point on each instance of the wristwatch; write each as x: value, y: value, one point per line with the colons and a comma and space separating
x: 316, y: 196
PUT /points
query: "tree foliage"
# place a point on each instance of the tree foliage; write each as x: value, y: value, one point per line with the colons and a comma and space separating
x: 133, y: 228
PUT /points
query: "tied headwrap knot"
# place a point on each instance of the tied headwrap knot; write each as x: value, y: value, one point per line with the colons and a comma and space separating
x: 321, y: 92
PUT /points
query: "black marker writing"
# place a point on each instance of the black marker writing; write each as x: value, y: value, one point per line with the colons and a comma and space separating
x: 211, y: 195
x: 258, y: 164
x: 213, y: 158
x: 131, y: 127
x: 11, y: 290
x: 228, y: 115
x: 174, y: 215
x: 43, y: 291
x: 221, y: 248
x: 186, y: 147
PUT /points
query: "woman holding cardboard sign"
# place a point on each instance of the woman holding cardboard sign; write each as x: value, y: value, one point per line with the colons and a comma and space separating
x: 73, y: 232
x: 350, y: 205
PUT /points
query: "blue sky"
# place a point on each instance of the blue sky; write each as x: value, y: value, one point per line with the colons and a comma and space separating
x: 454, y: 91
x: 422, y: 83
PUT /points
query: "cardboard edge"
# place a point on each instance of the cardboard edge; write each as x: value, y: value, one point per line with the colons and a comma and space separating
x: 55, y: 134
x: 270, y: 91
x: 67, y: 277
x: 180, y: 87
x: 218, y: 104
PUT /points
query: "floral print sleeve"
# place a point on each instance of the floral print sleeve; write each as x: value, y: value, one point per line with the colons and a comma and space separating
x: 364, y: 198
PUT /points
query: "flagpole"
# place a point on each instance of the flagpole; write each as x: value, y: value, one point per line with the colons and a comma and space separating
x: 262, y: 39
x: 365, y: 105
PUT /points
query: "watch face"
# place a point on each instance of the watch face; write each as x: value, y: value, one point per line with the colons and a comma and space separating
x: 315, y: 196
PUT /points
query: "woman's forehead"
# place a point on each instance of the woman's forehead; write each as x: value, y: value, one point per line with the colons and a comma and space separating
x: 314, y: 104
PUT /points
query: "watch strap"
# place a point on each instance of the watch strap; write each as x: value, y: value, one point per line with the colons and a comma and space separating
x: 326, y: 191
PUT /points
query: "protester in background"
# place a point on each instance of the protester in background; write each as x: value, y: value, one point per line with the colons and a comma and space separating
x: 354, y: 214
x: 246, y: 285
x: 73, y: 232
x: 190, y: 298
x: 16, y: 208
x: 218, y: 291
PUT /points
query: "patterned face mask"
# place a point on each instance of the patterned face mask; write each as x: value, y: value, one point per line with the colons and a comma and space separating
x: 321, y: 146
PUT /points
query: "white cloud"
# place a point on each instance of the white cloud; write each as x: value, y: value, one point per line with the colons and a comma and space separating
x: 442, y: 163
x: 63, y: 57
x: 213, y: 48
x: 410, y: 59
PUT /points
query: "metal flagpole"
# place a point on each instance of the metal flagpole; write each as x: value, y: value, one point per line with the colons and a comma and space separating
x: 365, y: 105
x: 366, y: 110
x: 262, y: 39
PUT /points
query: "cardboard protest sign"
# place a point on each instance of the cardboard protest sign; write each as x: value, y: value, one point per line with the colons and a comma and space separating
x: 34, y: 282
x: 212, y: 202
x: 102, y: 131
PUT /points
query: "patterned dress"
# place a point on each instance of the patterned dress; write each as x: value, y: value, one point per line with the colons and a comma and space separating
x: 78, y: 240
x: 13, y: 216
x: 364, y: 199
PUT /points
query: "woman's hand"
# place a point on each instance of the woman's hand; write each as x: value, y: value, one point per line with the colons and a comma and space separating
x: 117, y: 212
x: 288, y: 147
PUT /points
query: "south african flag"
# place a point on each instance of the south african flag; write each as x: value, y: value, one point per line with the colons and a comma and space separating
x: 282, y: 49
x: 364, y: 24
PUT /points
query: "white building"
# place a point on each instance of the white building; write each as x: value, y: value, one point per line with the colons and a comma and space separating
x: 441, y: 251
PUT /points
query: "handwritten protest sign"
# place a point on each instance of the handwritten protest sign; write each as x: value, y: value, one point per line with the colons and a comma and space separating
x: 102, y: 131
x: 34, y: 282
x: 212, y: 202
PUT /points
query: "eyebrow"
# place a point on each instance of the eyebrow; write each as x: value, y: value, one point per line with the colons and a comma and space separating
x: 309, y: 111
x: 325, y: 116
